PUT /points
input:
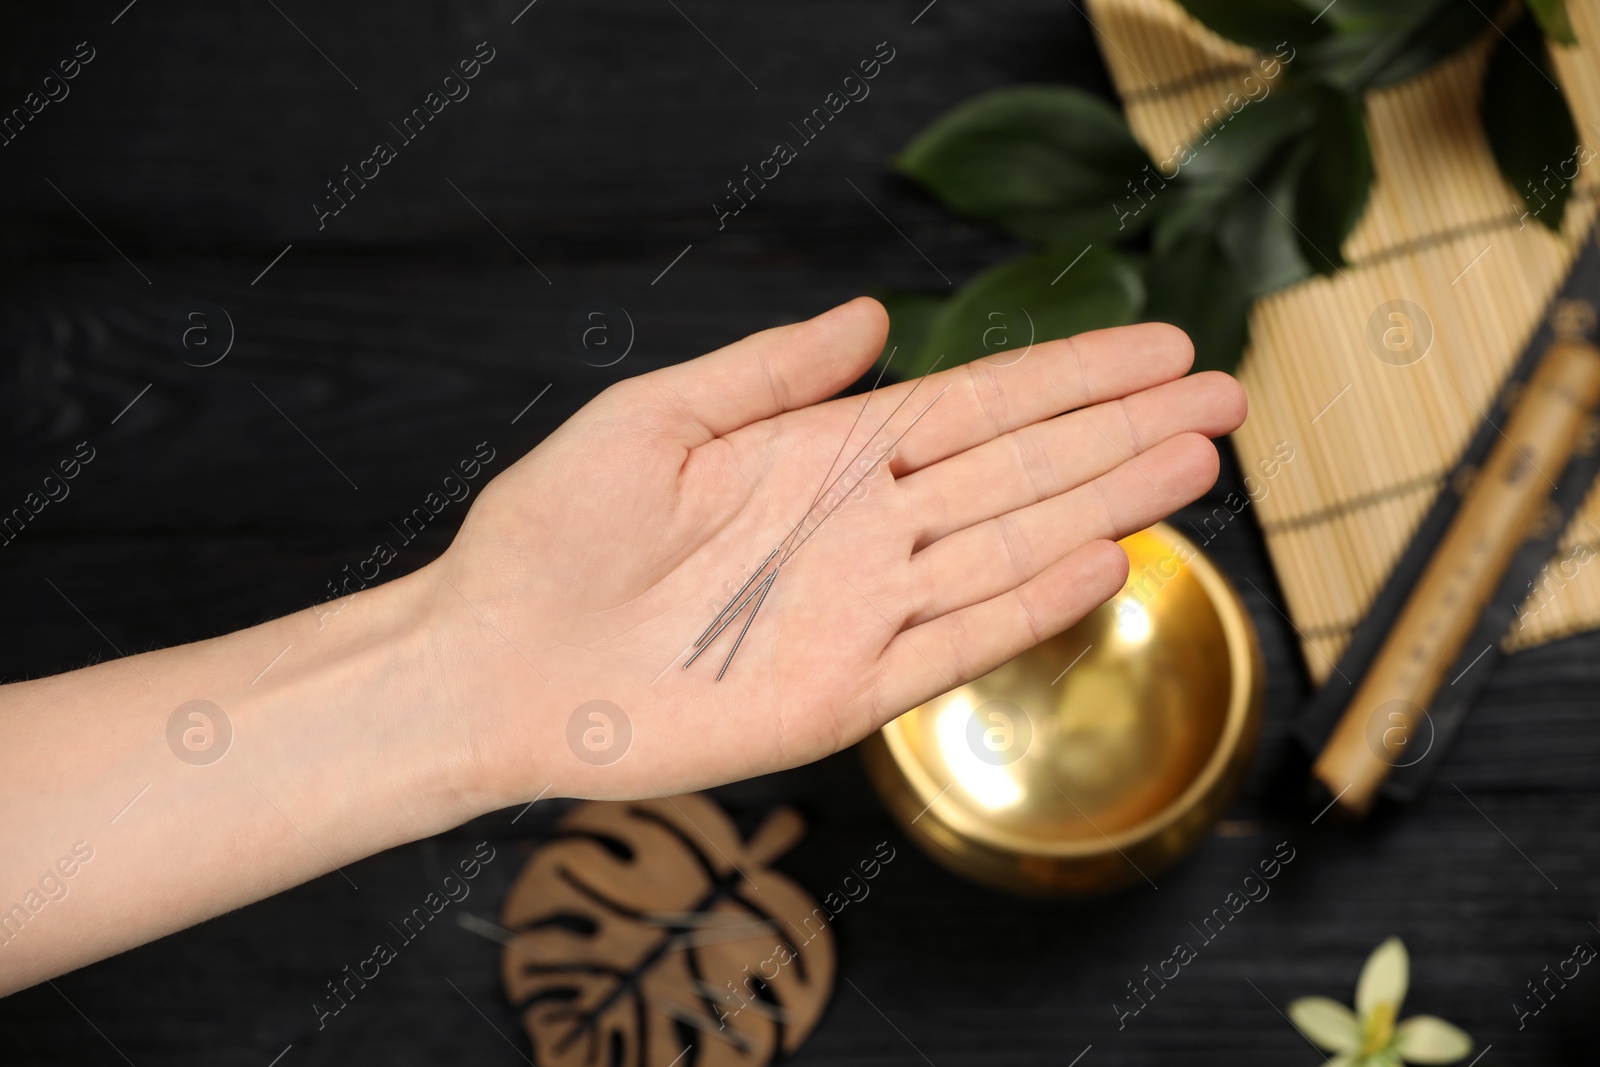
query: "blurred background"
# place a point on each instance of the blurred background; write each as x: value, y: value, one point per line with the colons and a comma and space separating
x: 351, y: 359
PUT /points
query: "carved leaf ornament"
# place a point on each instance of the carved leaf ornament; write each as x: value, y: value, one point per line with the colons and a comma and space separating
x: 648, y: 934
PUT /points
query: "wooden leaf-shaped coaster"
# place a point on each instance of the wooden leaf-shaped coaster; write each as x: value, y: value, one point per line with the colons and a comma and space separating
x: 645, y: 928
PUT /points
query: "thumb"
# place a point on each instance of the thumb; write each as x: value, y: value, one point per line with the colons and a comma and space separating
x: 776, y: 370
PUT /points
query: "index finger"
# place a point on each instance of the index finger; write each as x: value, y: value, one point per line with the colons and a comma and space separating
x: 990, y: 397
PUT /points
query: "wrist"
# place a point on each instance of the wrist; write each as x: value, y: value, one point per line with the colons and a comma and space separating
x: 362, y: 704
x: 496, y: 674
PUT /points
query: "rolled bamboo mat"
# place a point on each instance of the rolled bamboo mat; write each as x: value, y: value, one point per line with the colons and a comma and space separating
x: 1372, y: 441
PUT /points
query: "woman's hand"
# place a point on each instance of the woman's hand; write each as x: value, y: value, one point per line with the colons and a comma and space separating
x: 586, y: 571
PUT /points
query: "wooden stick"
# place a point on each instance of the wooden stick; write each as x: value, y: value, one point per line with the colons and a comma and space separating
x: 1494, y: 519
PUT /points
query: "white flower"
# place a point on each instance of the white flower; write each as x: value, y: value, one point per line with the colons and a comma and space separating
x: 1368, y: 1036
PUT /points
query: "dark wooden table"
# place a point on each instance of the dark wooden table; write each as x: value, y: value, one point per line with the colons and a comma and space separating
x: 428, y: 313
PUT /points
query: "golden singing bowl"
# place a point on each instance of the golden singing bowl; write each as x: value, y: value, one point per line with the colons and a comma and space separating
x: 1099, y: 758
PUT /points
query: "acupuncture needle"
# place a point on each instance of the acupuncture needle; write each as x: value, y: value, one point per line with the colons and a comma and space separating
x: 822, y: 489
x: 738, y: 604
x: 836, y: 507
x: 723, y: 625
x: 740, y: 600
x: 826, y: 484
x: 766, y: 586
x: 760, y: 593
x: 748, y: 583
x: 823, y: 484
x: 881, y: 426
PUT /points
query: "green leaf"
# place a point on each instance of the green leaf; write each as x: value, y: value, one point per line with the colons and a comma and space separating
x: 1255, y: 225
x: 1261, y: 24
x: 1384, y: 977
x: 1229, y: 152
x: 1241, y: 182
x: 1426, y: 1039
x: 1220, y: 165
x: 1195, y: 287
x: 1527, y: 122
x: 1552, y: 16
x: 1380, y: 42
x: 1326, y: 1023
x: 1048, y: 163
x: 1057, y: 293
x: 910, y: 313
x: 1333, y: 186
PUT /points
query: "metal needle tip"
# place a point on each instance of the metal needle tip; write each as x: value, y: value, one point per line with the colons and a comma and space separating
x: 737, y: 611
x: 766, y: 587
x: 707, y: 635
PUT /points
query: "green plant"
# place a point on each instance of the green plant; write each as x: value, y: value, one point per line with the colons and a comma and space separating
x: 1263, y: 198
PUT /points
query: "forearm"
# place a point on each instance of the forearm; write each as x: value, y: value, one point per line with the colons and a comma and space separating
x: 338, y: 749
x: 537, y: 656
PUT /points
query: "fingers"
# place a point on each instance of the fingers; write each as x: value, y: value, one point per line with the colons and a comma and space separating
x: 935, y: 657
x: 773, y: 371
x: 1037, y: 462
x: 986, y: 560
x: 989, y: 398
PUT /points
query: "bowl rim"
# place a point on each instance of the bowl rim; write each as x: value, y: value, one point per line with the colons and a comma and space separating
x: 1245, y: 664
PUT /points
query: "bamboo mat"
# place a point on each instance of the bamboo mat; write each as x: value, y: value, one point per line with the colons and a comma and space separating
x: 1372, y: 441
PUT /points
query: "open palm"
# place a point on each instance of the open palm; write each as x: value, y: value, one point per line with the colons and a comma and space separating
x: 587, y: 570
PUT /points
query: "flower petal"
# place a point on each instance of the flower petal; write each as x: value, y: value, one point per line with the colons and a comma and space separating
x: 1426, y: 1039
x: 1327, y: 1023
x: 1385, y: 976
